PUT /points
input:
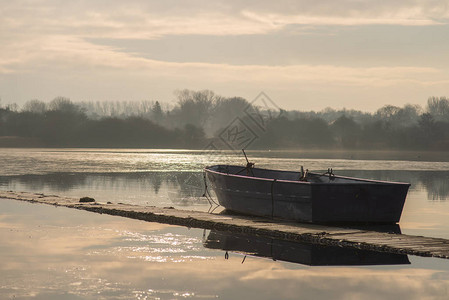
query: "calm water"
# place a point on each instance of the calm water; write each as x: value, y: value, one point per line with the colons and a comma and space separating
x: 174, y: 177
x: 57, y: 253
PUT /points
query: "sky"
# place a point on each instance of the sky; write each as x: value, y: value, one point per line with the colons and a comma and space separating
x: 305, y: 55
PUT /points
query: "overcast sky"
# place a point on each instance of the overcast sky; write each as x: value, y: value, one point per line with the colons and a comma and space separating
x: 303, y: 54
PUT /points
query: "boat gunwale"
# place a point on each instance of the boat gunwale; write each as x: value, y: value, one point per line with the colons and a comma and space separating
x: 368, y: 181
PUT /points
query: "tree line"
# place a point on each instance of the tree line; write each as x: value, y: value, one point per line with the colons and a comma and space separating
x: 198, y: 117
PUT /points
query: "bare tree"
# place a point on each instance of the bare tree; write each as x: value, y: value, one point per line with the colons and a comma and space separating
x: 438, y: 108
x: 35, y: 106
x: 64, y: 104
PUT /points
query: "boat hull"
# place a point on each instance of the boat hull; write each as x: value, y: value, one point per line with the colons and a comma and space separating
x: 349, y: 201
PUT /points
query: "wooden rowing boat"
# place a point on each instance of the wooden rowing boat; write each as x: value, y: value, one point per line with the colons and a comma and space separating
x: 306, y: 196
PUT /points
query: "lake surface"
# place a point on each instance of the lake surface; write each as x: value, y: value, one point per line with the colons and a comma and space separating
x: 175, y: 178
x: 58, y: 253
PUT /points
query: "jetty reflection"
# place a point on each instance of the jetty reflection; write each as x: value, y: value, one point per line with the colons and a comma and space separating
x: 300, y: 253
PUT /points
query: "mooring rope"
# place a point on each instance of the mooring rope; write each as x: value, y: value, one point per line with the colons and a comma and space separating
x: 329, y: 172
x: 207, y: 194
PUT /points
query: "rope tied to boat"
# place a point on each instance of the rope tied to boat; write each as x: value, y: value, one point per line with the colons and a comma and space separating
x: 208, y: 196
x: 243, y: 259
x: 329, y: 172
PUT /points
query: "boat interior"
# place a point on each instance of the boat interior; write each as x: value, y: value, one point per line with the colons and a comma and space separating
x: 301, y: 175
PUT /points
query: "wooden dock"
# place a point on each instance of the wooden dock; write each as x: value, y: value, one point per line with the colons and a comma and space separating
x: 311, y: 233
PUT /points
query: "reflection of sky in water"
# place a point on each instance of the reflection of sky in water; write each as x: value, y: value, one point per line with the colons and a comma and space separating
x: 174, y: 178
x: 58, y: 253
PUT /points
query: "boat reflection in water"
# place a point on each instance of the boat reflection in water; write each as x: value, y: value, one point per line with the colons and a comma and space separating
x: 301, y: 253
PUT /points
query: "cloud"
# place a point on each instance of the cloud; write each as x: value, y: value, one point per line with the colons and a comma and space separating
x: 54, y: 31
x: 150, y: 19
x: 349, y: 12
x: 301, y: 19
x: 53, y: 41
x: 130, y: 20
x: 59, y: 53
x: 47, y: 66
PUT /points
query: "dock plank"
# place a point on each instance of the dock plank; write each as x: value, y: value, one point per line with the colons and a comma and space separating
x: 311, y: 233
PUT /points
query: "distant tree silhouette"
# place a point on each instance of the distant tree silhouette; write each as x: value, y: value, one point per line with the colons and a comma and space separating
x: 192, y: 136
x: 193, y: 107
x: 347, y: 132
x: 199, y: 116
x: 35, y: 106
x: 303, y: 133
x: 65, y: 105
x: 157, y: 113
x: 438, y: 108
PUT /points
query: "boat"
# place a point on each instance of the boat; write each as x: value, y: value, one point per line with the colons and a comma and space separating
x: 298, y: 252
x: 306, y: 196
